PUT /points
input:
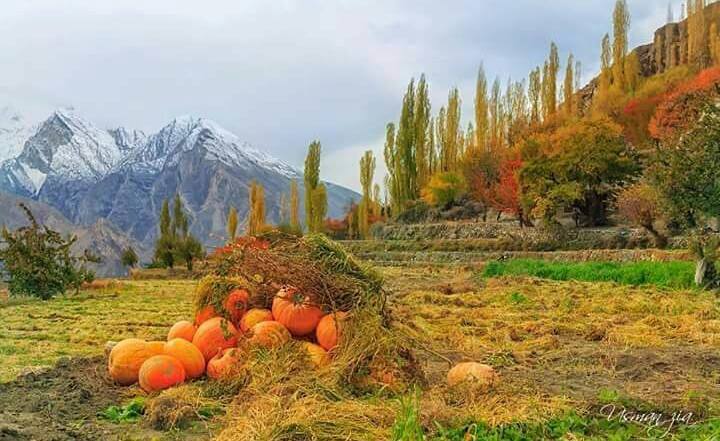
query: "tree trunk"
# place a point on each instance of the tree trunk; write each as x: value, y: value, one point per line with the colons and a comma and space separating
x: 659, y: 239
x: 705, y: 273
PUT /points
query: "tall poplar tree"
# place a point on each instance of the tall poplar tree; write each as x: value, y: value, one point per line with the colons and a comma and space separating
x: 621, y: 24
x: 294, y: 206
x: 569, y: 88
x: 256, y: 215
x: 481, y: 110
x: 535, y: 96
x: 312, y: 182
x: 405, y: 145
x: 421, y: 123
x: 367, y: 170
x: 394, y: 175
x: 551, y: 69
x: 232, y: 224
x: 603, y: 87
x: 451, y: 147
x: 496, y: 116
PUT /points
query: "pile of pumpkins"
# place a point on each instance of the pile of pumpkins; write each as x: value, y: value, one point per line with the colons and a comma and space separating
x: 209, y: 346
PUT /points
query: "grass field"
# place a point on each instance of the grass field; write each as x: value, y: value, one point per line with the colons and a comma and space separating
x: 563, y: 350
x: 678, y: 274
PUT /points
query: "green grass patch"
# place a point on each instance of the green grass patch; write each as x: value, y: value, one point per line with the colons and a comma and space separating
x: 574, y: 426
x: 673, y: 274
x: 132, y: 411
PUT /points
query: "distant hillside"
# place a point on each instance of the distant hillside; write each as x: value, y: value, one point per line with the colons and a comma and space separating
x: 101, y: 238
x: 122, y: 175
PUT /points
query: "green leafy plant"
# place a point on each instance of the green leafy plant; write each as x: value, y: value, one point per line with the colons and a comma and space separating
x: 129, y: 412
x: 37, y: 261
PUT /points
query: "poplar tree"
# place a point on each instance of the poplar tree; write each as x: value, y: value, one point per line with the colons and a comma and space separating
x: 165, y: 246
x: 256, y: 215
x: 294, y: 206
x: 481, y: 110
x: 319, y: 201
x: 621, y: 23
x: 421, y: 124
x: 550, y: 73
x: 312, y: 182
x: 569, y: 88
x: 632, y: 71
x: 496, y: 116
x: 392, y: 163
x: 451, y: 147
x: 603, y: 88
x: 367, y: 170
x: 405, y: 146
x: 377, y: 203
x: 232, y: 223
x: 535, y: 95
x: 180, y: 221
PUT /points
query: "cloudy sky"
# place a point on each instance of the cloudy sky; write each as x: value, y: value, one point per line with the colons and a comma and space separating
x: 282, y: 73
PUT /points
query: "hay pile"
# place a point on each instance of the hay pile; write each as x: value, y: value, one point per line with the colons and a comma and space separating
x: 278, y: 394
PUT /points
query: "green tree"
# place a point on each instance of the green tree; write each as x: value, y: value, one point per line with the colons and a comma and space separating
x: 578, y: 167
x: 37, y: 261
x: 421, y: 124
x: 367, y: 170
x: 232, y: 224
x: 165, y: 245
x: 189, y: 250
x: 319, y: 201
x: 312, y: 182
x: 129, y: 257
x: 569, y: 88
x: 535, y: 96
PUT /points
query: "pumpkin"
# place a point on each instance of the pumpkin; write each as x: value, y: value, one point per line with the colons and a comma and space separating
x: 205, y: 314
x: 478, y: 373
x: 270, y: 334
x: 328, y: 330
x: 127, y: 357
x: 188, y: 354
x: 253, y: 317
x: 295, y: 311
x: 182, y: 329
x: 161, y: 372
x: 317, y: 355
x: 236, y: 304
x: 214, y: 335
x: 223, y: 363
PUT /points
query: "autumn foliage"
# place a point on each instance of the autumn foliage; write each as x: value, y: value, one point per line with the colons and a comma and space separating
x: 680, y: 109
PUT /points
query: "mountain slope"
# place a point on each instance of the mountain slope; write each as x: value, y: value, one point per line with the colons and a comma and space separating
x: 123, y: 176
x: 102, y: 238
x: 14, y: 131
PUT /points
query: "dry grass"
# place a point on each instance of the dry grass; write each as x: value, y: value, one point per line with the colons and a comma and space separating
x: 34, y: 333
x: 556, y: 345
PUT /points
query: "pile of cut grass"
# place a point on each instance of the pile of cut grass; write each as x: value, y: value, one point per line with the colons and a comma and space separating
x: 674, y: 274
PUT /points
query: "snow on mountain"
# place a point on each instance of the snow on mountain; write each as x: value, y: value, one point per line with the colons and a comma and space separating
x: 128, y: 140
x: 14, y: 131
x: 66, y: 147
x: 186, y: 133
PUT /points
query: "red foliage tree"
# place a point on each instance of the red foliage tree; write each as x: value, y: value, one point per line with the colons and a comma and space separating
x: 506, y: 192
x: 681, y: 108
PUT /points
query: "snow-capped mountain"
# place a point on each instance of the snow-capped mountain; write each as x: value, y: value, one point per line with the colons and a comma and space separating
x: 123, y: 176
x: 14, y: 131
x: 65, y: 147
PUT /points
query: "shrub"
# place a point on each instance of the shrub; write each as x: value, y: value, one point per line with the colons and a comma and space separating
x: 37, y: 261
x: 444, y: 189
x: 640, y: 204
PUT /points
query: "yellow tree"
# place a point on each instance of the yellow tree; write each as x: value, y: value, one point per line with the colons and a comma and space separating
x: 256, y: 215
x: 294, y: 205
x: 481, y: 110
x: 603, y: 87
x: 232, y: 223
x: 621, y: 24
x: 312, y: 183
x: 697, y: 34
x: 632, y: 71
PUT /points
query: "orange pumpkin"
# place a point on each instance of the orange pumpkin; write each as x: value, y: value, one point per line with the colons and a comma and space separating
x: 223, y: 363
x: 188, y: 354
x: 161, y: 372
x: 253, y: 317
x: 477, y: 373
x: 214, y: 335
x: 156, y: 347
x: 317, y: 355
x: 182, y: 329
x: 295, y: 311
x: 205, y: 314
x: 328, y: 330
x: 236, y: 304
x: 270, y: 334
x: 127, y: 357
